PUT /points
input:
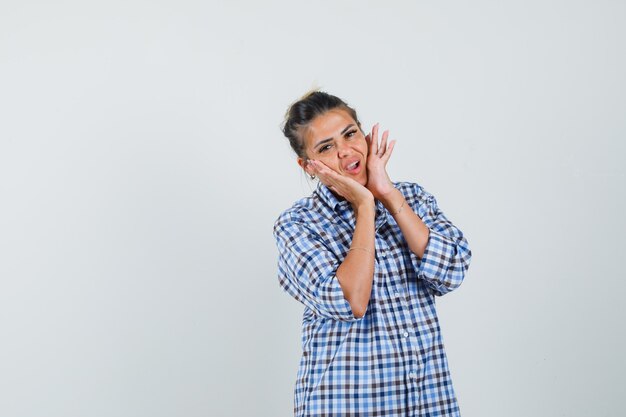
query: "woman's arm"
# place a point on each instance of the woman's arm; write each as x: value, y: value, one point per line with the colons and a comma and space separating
x: 413, y: 229
x: 356, y: 272
x: 440, y: 253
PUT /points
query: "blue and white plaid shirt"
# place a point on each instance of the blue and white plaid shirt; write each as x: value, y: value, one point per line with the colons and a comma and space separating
x: 390, y: 362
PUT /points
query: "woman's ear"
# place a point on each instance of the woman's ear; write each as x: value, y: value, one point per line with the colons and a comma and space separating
x: 304, y: 165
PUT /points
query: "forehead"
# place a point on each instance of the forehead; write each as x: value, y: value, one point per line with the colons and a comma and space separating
x: 327, y: 125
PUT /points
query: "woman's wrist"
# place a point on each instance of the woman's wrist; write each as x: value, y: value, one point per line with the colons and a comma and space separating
x: 365, y: 207
x: 384, y: 192
x: 394, y: 201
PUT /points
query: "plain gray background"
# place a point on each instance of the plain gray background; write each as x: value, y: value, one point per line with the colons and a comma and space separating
x: 142, y: 168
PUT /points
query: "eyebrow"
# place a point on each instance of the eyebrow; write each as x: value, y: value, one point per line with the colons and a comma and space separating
x: 345, y: 129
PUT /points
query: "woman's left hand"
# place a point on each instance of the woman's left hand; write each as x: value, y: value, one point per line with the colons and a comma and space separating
x: 378, y: 181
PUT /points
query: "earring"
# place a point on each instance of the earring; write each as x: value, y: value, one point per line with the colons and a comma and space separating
x: 312, y: 177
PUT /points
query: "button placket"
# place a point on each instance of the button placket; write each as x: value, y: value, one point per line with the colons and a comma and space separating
x: 381, y: 248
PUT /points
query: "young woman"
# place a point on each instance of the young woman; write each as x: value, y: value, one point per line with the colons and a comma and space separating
x: 366, y: 257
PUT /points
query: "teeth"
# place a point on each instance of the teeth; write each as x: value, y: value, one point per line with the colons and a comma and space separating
x: 352, y: 165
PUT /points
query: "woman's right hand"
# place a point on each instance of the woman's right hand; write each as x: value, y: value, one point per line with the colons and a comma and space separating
x: 357, y: 194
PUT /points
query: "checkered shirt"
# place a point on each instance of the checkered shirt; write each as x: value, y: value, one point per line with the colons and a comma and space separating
x: 391, y: 361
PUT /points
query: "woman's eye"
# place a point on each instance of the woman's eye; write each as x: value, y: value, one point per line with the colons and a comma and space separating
x: 351, y: 133
x: 324, y: 148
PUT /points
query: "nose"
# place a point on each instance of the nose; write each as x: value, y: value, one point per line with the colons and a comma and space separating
x: 343, y: 149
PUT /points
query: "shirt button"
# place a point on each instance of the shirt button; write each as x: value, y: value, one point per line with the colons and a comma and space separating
x: 412, y: 375
x: 406, y: 334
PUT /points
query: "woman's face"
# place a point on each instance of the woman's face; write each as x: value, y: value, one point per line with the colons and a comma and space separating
x: 335, y: 139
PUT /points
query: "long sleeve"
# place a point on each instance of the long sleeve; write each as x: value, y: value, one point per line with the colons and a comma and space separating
x: 306, y: 270
x: 447, y: 255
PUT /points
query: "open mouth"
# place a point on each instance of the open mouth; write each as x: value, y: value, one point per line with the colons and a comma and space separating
x: 353, y: 166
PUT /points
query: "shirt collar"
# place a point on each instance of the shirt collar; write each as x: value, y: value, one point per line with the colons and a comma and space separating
x: 333, y: 201
x: 328, y: 197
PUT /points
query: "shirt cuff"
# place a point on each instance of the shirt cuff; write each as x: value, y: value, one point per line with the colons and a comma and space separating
x: 332, y: 303
x: 434, y: 266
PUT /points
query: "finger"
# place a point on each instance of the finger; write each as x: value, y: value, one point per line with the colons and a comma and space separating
x: 332, y: 182
x: 313, y: 167
x: 321, y: 167
x: 387, y: 154
x: 309, y: 168
x: 330, y: 177
x: 383, y: 142
x: 324, y: 178
x: 324, y: 172
x: 367, y: 142
x: 374, y: 138
x: 370, y: 146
